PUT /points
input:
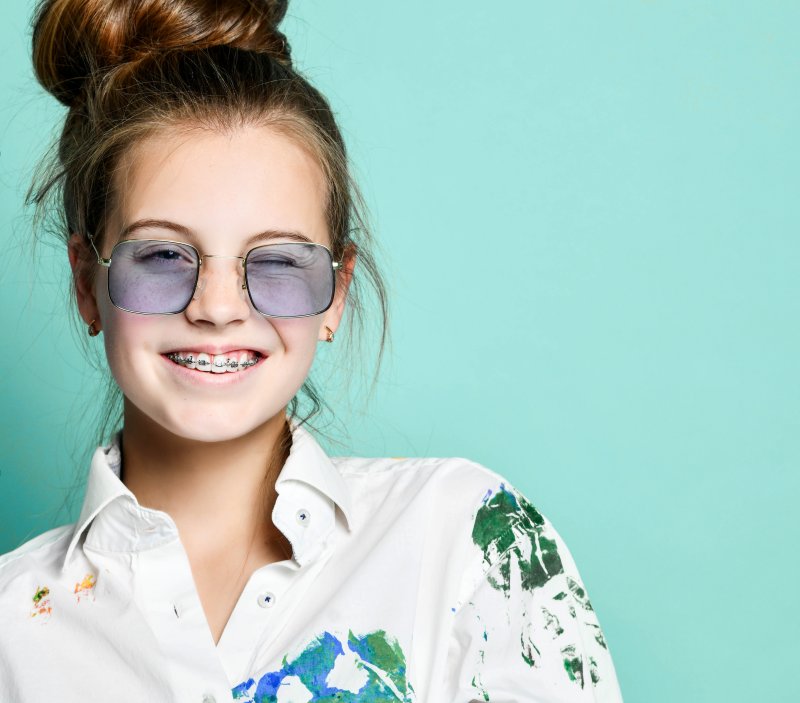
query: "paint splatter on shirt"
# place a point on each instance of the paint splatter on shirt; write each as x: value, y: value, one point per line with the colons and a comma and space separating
x: 42, y: 607
x: 85, y: 588
x: 544, y: 633
x: 359, y: 669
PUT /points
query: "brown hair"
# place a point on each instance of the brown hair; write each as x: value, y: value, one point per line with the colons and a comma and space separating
x: 127, y: 68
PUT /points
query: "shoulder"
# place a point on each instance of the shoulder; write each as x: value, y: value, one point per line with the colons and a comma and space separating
x: 470, y: 501
x: 399, y: 468
x: 461, y: 481
x: 44, y: 552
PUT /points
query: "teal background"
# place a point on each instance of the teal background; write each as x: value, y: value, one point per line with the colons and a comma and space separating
x: 589, y: 216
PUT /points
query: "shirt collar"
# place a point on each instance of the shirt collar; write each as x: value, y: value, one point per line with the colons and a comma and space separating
x: 307, y: 464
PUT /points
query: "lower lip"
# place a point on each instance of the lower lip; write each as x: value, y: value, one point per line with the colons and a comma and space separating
x: 209, y: 378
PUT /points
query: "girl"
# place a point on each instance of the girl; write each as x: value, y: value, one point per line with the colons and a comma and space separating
x: 215, y: 238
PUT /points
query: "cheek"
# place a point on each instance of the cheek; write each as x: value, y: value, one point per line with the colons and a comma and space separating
x: 128, y: 338
x: 122, y: 328
x: 299, y: 337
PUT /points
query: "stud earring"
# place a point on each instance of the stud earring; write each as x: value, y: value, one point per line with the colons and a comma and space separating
x: 329, y: 338
x: 93, y: 332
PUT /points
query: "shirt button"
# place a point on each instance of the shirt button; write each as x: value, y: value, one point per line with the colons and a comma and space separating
x: 266, y: 600
x: 208, y: 698
x: 303, y: 516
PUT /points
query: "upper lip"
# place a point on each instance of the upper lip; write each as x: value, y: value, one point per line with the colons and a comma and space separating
x: 212, y: 349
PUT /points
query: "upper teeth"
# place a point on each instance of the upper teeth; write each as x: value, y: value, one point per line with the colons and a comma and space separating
x: 215, y: 363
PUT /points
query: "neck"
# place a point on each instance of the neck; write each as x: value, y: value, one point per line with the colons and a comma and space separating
x: 220, y: 494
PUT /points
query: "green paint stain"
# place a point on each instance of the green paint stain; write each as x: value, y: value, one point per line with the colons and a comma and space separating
x: 551, y: 623
x: 528, y: 649
x: 593, y: 671
x: 598, y: 635
x: 503, y: 524
x: 507, y: 527
x: 573, y: 664
x: 579, y: 593
x: 478, y: 686
x: 383, y: 652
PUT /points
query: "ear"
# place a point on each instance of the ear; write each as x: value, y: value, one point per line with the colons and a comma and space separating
x: 344, y: 275
x: 80, y: 260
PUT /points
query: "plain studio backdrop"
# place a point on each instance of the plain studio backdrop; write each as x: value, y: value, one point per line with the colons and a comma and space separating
x: 589, y: 215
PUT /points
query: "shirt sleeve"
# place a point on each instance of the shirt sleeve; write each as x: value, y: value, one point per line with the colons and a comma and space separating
x: 527, y: 631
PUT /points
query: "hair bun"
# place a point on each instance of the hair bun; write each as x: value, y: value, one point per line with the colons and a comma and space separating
x: 72, y: 39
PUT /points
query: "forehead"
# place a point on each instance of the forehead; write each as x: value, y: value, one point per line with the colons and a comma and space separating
x: 223, y: 186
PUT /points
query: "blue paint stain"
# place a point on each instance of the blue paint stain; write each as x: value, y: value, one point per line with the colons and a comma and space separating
x: 317, y: 660
x: 488, y: 495
x: 510, y: 496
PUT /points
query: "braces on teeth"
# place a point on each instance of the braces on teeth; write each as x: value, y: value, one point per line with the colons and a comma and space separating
x: 219, y: 363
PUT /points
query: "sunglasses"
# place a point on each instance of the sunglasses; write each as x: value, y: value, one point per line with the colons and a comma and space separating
x: 159, y: 277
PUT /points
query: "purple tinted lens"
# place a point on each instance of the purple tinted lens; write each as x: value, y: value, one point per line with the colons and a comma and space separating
x: 290, y: 280
x: 152, y: 276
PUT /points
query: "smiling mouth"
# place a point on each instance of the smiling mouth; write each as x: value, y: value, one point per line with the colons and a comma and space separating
x: 219, y: 363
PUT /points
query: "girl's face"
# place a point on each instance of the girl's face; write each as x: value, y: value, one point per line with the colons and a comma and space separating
x: 214, y: 191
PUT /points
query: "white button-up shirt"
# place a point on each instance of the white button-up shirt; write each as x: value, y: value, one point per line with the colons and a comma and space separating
x: 416, y: 580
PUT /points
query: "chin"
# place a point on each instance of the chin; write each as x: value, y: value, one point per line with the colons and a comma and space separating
x: 192, y: 423
x: 212, y: 429
x: 199, y: 435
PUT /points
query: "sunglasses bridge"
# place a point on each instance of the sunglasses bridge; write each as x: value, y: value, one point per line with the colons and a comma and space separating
x: 200, y: 288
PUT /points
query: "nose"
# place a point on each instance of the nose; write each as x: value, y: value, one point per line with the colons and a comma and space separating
x: 220, y: 296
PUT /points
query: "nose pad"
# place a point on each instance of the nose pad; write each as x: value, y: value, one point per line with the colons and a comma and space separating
x: 243, y: 287
x: 201, y: 286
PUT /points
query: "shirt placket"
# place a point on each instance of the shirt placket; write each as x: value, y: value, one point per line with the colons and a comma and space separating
x: 273, y: 594
x: 167, y: 596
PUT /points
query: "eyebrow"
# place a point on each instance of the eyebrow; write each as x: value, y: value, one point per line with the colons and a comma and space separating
x: 266, y: 235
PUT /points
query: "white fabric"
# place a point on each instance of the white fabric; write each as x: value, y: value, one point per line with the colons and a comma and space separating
x: 418, y: 580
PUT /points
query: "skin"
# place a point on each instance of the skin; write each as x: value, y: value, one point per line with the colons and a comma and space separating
x: 201, y: 453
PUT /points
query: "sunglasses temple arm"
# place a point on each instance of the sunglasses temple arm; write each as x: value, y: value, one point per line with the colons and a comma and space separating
x: 100, y: 259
